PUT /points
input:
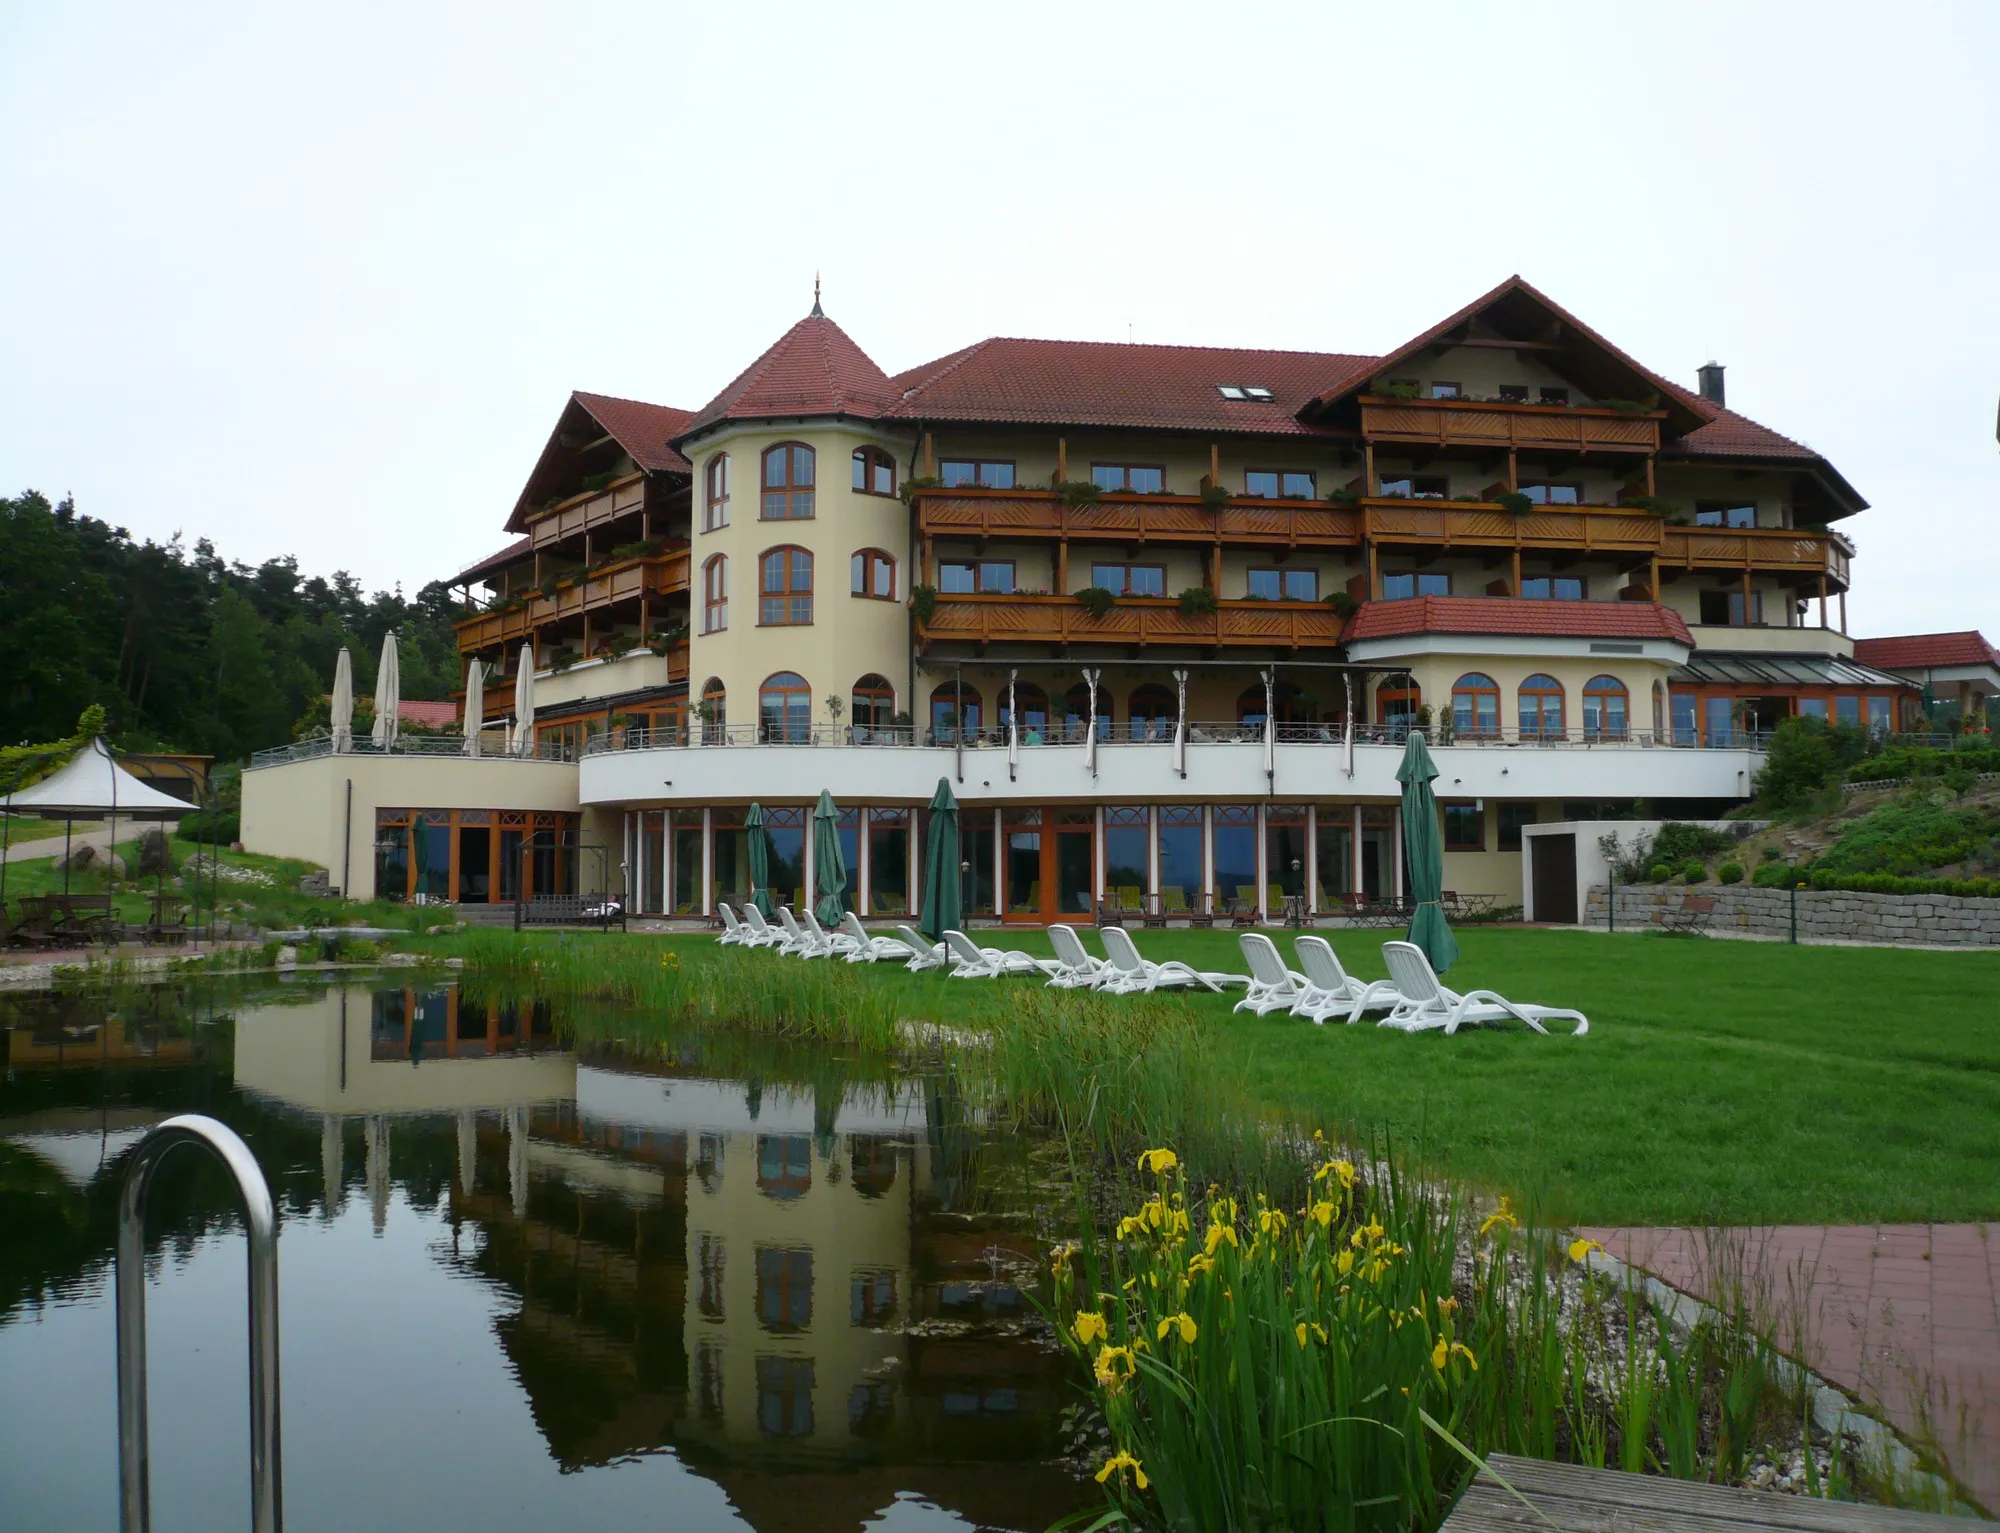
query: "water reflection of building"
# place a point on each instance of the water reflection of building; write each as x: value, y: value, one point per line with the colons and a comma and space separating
x: 57, y: 1043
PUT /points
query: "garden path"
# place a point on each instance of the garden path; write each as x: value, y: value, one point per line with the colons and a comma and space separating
x: 1905, y: 1317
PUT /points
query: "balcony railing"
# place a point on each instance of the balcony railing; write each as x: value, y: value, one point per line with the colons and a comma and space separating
x: 1762, y: 550
x: 406, y: 745
x: 971, y: 512
x: 658, y: 575
x: 1444, y: 524
x: 1481, y: 423
x: 1133, y: 620
x: 575, y: 517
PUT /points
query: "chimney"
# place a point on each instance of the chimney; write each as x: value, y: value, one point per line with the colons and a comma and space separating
x: 1710, y: 374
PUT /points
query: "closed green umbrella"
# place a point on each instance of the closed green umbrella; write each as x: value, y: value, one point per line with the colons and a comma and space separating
x: 760, y: 859
x: 829, y: 868
x: 943, y: 909
x: 1423, y: 850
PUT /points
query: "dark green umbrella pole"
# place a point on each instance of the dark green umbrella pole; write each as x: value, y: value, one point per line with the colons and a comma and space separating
x: 943, y: 908
x: 760, y: 859
x: 1423, y: 851
x: 829, y: 867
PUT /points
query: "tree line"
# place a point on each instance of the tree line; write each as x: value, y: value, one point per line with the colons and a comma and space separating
x: 182, y: 649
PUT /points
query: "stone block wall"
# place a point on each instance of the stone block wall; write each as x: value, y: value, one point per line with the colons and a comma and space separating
x: 1936, y: 919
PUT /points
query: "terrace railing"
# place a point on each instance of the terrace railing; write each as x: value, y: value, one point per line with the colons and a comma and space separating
x: 407, y: 745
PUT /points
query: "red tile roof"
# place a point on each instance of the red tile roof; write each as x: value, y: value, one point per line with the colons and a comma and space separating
x: 1915, y: 651
x: 1514, y: 616
x: 643, y: 430
x: 1102, y: 383
x: 814, y: 368
x: 427, y: 715
x: 506, y: 556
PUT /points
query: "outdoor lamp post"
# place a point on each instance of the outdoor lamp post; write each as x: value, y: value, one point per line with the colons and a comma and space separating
x: 964, y: 887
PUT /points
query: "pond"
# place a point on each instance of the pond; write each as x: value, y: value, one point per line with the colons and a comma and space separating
x: 521, y: 1282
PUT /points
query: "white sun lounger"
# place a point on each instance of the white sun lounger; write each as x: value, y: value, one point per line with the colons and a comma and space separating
x: 1075, y: 968
x: 761, y: 932
x: 857, y: 944
x: 924, y: 953
x: 1424, y: 1002
x: 971, y: 961
x: 1129, y: 974
x: 820, y: 943
x: 1273, y: 987
x: 1330, y: 991
x: 734, y: 933
x: 794, y: 940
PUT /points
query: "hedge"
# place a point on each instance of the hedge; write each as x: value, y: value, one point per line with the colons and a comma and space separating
x: 1915, y: 761
x: 1889, y: 883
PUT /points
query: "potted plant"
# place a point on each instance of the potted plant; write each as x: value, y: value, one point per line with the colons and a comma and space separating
x: 1344, y: 606
x: 1197, y: 601
x: 1394, y: 389
x: 1215, y: 497
x: 1514, y: 501
x: 923, y: 602
x: 667, y: 639
x: 1345, y: 496
x: 916, y: 484
x: 835, y: 706
x: 1079, y: 492
x: 1097, y: 600
x: 1658, y: 505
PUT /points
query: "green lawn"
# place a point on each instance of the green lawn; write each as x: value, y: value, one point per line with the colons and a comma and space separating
x: 1724, y: 1082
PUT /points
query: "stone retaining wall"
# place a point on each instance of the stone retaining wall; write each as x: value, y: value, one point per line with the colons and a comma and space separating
x: 1940, y: 919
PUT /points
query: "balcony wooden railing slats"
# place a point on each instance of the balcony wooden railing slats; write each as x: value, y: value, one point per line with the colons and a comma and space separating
x: 581, y: 516
x: 661, y: 575
x: 1446, y: 423
x: 1133, y: 621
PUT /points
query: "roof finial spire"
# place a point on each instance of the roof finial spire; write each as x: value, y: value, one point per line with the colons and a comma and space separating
x: 818, y: 312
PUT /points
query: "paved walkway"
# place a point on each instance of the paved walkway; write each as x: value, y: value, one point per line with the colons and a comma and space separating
x: 86, y: 832
x: 1905, y: 1317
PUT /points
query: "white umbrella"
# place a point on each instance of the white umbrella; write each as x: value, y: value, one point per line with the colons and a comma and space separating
x: 1180, y: 722
x: 1013, y: 728
x: 343, y: 701
x: 1090, y: 738
x: 388, y: 695
x: 1270, y: 731
x: 524, y: 701
x: 475, y: 705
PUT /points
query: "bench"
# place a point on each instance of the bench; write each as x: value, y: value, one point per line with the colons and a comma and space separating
x: 1568, y: 1499
x: 1696, y: 911
x: 600, y: 910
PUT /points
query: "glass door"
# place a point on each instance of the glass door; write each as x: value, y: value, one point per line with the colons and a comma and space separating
x: 1021, y: 831
x: 1072, y: 874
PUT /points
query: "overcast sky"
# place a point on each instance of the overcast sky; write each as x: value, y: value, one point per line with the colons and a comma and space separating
x: 316, y: 280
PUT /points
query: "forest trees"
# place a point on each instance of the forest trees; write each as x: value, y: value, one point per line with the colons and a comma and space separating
x: 181, y: 649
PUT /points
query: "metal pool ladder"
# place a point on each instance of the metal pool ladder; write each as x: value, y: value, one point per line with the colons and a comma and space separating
x: 267, y: 1514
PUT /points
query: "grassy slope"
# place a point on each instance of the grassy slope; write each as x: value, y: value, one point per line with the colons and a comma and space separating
x: 1726, y: 1082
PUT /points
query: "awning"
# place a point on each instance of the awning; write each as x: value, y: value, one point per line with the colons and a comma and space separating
x: 1725, y: 669
x: 93, y: 784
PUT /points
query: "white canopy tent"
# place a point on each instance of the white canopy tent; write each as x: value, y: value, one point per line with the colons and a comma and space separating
x: 91, y: 785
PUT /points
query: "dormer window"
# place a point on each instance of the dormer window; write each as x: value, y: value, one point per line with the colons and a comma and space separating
x: 1254, y: 393
x: 1444, y: 390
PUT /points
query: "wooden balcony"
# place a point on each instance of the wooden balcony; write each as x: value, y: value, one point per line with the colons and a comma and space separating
x: 499, y: 697
x: 1759, y: 551
x: 586, y: 513
x: 1134, y: 621
x: 1447, y: 524
x: 969, y: 512
x: 1448, y: 423
x: 661, y: 575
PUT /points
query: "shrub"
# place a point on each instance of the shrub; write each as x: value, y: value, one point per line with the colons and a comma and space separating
x: 1805, y: 758
x: 1515, y: 501
x: 1908, y: 838
x: 1679, y: 843
x: 1079, y: 492
x: 923, y: 602
x: 1215, y: 497
x: 1197, y: 601
x: 1905, y: 761
x: 212, y: 827
x: 1772, y: 875
x: 1097, y: 600
x: 1659, y: 873
x: 1769, y: 853
x: 1344, y: 606
x: 1652, y: 503
x: 1730, y: 872
x: 1889, y: 883
x: 1693, y: 871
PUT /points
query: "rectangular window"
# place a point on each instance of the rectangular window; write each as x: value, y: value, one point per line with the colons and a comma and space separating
x: 1725, y: 609
x: 1139, y: 478
x: 1444, y: 390
x: 1555, y: 396
x: 1127, y: 880
x: 1847, y: 711
x: 1554, y: 494
x: 1813, y: 708
x: 1401, y: 587
x: 715, y: 502
x: 982, y: 472
x: 1282, y: 585
x: 1278, y: 484
x: 889, y: 861
x: 1512, y: 818
x: 1417, y: 486
x: 1235, y: 852
x: 1131, y: 579
x: 992, y: 577
x: 1683, y: 707
x: 1719, y: 720
x: 1465, y: 828
x: 1514, y: 393
x: 1180, y: 859
x: 1552, y: 587
x: 1715, y: 513
x: 1879, y: 715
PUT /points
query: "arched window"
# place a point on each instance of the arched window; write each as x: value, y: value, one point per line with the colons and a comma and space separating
x: 954, y: 712
x: 1397, y: 702
x: 714, y: 710
x: 1659, y: 712
x: 1151, y: 708
x: 1076, y: 711
x: 715, y: 493
x: 1604, y: 706
x: 788, y: 482
x: 784, y: 587
x: 1475, y: 705
x: 1292, y: 705
x: 1541, y: 708
x: 784, y: 708
x: 873, y: 704
x: 874, y: 471
x: 715, y: 594
x: 1033, y: 704
x: 873, y: 573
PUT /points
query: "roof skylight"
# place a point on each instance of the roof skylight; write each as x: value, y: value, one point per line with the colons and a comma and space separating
x: 1244, y: 391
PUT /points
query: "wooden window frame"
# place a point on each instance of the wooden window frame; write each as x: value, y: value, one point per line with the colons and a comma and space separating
x: 1507, y: 812
x: 1126, y: 470
x: 714, y: 693
x: 885, y: 693
x: 715, y: 593
x: 1457, y: 389
x: 715, y: 493
x: 1125, y: 582
x: 1530, y: 486
x: 1414, y: 480
x: 870, y: 560
x: 1721, y: 510
x: 1554, y: 689
x: 1582, y: 588
x: 1483, y: 686
x: 1516, y: 393
x: 1542, y: 392
x: 979, y: 466
x: 787, y: 595
x: 1416, y: 579
x: 1280, y: 572
x: 1615, y: 688
x: 979, y: 568
x: 868, y: 459
x: 787, y: 492
x: 958, y: 699
x: 766, y: 689
x: 1281, y: 475
x: 1463, y: 846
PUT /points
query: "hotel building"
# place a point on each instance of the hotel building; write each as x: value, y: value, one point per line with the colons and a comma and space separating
x: 1162, y: 615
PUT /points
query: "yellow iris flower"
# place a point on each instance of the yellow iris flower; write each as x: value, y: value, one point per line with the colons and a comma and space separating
x: 1157, y: 1161
x: 1089, y: 1326
x: 1114, y: 1366
x: 1117, y: 1464
x: 1579, y: 1249
x: 1502, y: 1218
x: 1183, y: 1323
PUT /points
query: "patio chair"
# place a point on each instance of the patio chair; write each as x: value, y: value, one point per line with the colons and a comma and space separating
x: 1075, y: 968
x: 793, y: 940
x: 734, y: 932
x: 1330, y: 991
x: 1691, y: 920
x: 1127, y: 973
x: 37, y: 926
x: 820, y: 942
x: 167, y: 921
x: 1423, y: 1002
x: 971, y: 961
x: 1273, y: 987
x: 862, y: 946
x: 924, y: 953
x: 1173, y: 902
x: 1202, y: 916
x: 761, y: 932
